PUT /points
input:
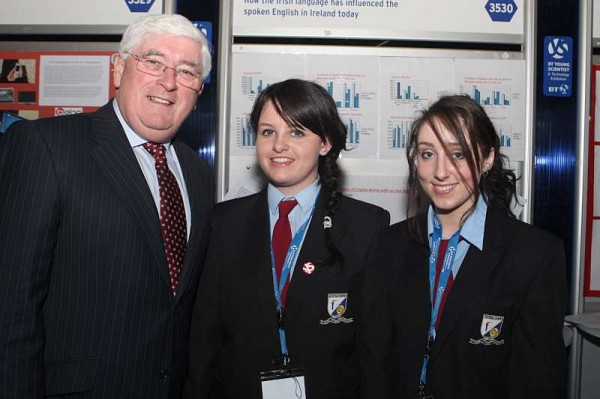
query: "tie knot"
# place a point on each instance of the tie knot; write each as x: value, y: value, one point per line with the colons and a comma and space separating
x: 156, y: 150
x: 286, y: 206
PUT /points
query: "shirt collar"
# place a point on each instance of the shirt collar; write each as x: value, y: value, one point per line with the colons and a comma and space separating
x: 132, y: 137
x: 473, y: 229
x: 306, y: 198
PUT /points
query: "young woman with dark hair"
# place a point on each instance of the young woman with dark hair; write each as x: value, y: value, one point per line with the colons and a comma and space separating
x: 463, y: 300
x: 306, y: 105
x: 270, y: 307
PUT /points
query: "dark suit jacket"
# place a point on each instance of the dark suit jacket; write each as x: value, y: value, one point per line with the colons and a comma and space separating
x: 234, y: 329
x: 85, y: 302
x: 520, y: 275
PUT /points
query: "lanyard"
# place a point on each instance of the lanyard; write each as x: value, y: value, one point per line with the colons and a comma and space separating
x: 442, y: 282
x: 290, y: 260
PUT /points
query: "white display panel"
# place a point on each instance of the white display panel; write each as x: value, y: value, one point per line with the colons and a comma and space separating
x: 462, y: 20
x: 63, y: 13
x: 366, y: 85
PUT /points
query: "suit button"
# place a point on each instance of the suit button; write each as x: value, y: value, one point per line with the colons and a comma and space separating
x: 164, y: 374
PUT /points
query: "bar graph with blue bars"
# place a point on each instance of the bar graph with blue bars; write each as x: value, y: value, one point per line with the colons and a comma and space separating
x: 400, y: 132
x: 253, y: 86
x: 345, y: 95
x: 504, y: 133
x: 496, y: 96
x: 409, y: 90
x: 246, y: 135
x: 353, y: 131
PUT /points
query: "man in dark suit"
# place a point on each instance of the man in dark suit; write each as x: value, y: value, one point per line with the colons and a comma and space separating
x: 94, y: 303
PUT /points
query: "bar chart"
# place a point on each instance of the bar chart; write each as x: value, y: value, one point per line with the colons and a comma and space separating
x: 505, y: 135
x: 353, y: 127
x: 409, y: 90
x: 252, y: 86
x: 245, y: 135
x: 488, y: 95
x: 345, y: 94
x: 398, y: 134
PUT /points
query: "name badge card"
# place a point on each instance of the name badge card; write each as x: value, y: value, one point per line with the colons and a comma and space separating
x: 283, y: 384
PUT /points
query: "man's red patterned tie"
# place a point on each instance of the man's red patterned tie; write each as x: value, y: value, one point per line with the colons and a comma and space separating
x: 172, y: 214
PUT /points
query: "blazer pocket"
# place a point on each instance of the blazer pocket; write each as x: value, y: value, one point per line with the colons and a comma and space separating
x: 71, y: 376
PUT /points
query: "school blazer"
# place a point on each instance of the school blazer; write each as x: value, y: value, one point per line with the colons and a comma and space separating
x: 235, y: 329
x: 518, y: 276
x: 86, y: 308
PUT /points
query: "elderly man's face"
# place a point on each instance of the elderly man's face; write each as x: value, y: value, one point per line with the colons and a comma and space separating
x: 156, y: 106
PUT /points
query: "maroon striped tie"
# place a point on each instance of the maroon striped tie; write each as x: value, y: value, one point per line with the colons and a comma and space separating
x: 172, y: 213
x: 282, y: 237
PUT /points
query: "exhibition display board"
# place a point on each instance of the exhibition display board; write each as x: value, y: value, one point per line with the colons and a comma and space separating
x: 465, y: 20
x: 37, y: 84
x: 379, y: 91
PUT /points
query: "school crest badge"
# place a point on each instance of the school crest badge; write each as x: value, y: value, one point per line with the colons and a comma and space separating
x: 337, y: 304
x: 491, y: 328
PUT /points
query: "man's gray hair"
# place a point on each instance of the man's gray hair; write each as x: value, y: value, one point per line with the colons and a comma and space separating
x: 170, y: 24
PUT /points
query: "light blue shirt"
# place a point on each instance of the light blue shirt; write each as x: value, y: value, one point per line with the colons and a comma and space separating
x: 301, y: 212
x: 147, y: 164
x: 472, y: 232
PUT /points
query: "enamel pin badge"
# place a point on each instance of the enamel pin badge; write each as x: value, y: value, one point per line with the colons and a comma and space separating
x: 491, y: 328
x: 308, y: 268
x: 337, y: 304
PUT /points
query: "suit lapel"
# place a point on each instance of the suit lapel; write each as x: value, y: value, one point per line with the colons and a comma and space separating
x: 194, y: 184
x: 114, y: 156
x: 474, y: 270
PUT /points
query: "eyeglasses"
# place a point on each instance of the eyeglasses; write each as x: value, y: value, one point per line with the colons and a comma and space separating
x: 185, y: 75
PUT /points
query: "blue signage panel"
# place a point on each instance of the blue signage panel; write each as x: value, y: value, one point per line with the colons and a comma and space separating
x: 139, y: 5
x: 558, y: 66
x: 501, y: 10
x: 206, y: 28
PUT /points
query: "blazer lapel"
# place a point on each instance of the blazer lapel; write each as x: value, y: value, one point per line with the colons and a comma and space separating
x: 417, y: 271
x: 413, y: 319
x: 475, y: 268
x: 313, y: 250
x: 114, y: 156
x: 259, y: 261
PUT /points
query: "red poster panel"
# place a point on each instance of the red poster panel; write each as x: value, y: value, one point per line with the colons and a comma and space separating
x: 39, y: 84
x: 592, y: 244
